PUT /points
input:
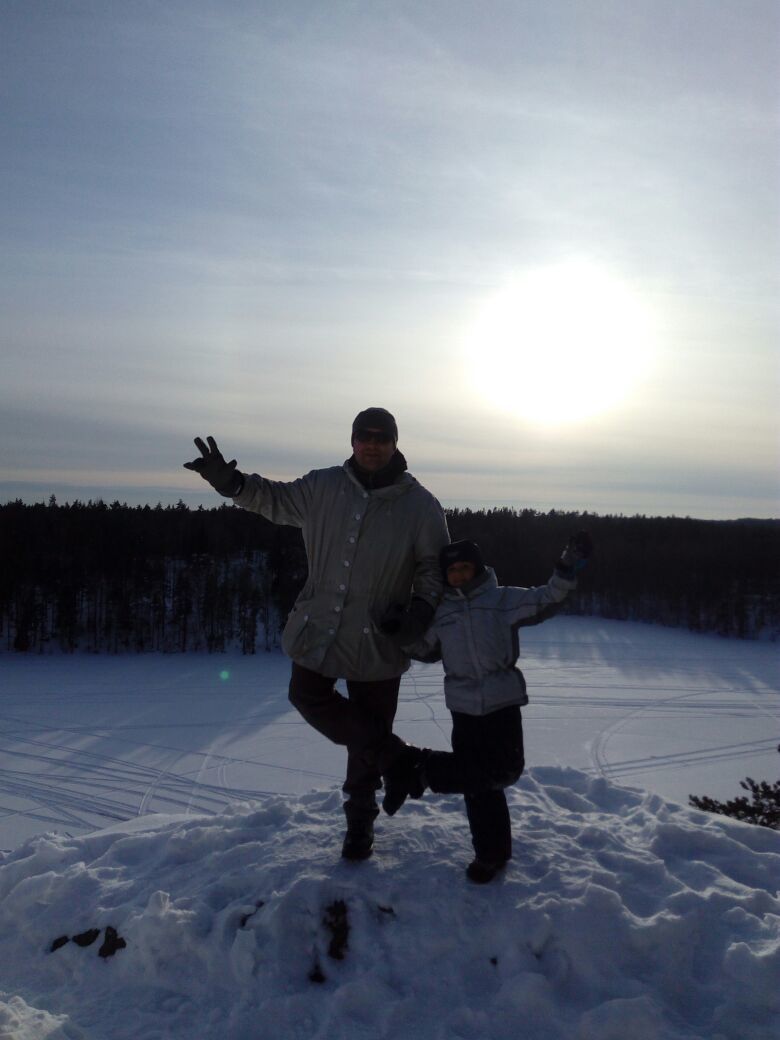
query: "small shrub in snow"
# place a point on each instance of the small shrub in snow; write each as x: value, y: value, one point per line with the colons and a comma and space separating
x: 763, y: 807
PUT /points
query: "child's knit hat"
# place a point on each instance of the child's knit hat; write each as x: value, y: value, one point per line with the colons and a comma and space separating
x: 461, y: 552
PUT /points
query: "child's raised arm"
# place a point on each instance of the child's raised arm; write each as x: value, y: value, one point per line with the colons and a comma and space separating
x: 520, y: 604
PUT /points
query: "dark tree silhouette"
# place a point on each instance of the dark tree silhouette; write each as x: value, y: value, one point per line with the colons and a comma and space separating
x: 762, y: 808
x: 113, y: 578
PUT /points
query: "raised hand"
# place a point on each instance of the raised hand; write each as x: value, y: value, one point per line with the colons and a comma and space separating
x: 576, y: 554
x: 223, y: 476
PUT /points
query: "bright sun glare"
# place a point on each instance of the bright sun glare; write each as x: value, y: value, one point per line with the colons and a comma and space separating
x: 560, y: 345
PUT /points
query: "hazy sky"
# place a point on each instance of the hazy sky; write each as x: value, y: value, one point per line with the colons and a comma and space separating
x: 544, y: 233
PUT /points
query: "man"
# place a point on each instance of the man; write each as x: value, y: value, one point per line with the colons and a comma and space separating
x: 372, y: 535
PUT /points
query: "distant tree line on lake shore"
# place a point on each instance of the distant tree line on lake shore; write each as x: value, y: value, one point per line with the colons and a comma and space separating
x: 114, y: 578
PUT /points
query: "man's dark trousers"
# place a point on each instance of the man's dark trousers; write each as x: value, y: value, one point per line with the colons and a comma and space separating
x: 362, y: 722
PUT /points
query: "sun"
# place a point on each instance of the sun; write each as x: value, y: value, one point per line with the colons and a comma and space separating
x: 559, y: 345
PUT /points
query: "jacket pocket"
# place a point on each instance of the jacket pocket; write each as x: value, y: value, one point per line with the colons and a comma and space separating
x: 297, y: 628
x: 378, y: 653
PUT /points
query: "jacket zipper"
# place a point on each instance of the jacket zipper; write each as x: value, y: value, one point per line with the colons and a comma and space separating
x: 470, y: 640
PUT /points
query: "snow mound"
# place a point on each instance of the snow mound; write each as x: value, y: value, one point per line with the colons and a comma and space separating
x: 620, y: 915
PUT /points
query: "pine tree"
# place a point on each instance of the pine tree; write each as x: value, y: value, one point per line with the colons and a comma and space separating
x: 763, y: 808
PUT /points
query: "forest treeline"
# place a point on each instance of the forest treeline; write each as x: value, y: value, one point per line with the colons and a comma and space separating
x: 115, y: 578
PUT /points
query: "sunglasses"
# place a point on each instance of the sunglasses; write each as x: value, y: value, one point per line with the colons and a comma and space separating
x: 373, y: 436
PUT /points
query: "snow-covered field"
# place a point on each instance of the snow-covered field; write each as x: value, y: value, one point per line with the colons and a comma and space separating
x: 85, y: 741
x: 623, y: 913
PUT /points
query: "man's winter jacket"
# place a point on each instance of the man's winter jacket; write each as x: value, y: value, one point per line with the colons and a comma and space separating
x: 366, y: 550
x: 475, y: 634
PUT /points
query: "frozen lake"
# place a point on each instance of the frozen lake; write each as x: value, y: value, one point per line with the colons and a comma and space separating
x: 89, y: 740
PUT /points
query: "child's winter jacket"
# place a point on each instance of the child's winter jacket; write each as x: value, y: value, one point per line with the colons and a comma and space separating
x: 475, y: 633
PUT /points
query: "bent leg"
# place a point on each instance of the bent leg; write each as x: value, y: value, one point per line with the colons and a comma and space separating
x: 340, y: 720
x: 487, y: 753
x: 487, y: 756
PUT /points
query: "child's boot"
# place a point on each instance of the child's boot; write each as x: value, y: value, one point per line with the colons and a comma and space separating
x: 404, y: 777
x: 481, y: 871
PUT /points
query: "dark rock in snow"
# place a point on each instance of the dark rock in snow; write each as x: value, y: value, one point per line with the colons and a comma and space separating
x: 316, y: 973
x: 86, y: 938
x: 111, y: 943
x: 336, y: 922
x: 246, y: 917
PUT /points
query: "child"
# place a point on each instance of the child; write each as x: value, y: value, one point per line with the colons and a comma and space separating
x: 474, y: 632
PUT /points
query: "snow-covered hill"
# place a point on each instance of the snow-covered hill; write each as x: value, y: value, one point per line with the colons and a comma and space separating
x: 621, y: 916
x: 216, y: 905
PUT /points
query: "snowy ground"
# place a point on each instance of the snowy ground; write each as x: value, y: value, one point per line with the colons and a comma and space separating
x: 622, y: 913
x: 88, y: 740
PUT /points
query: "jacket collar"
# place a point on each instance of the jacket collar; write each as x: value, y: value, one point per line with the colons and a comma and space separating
x: 390, y: 475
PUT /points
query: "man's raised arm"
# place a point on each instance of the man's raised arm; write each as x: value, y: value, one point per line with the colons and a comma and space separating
x: 281, y: 502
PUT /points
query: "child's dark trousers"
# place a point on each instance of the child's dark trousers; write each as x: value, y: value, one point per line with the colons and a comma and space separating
x: 487, y: 756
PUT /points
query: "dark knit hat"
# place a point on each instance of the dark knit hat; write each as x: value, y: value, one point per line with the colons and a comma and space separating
x: 376, y: 419
x: 461, y: 552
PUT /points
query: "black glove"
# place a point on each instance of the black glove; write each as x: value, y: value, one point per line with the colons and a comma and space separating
x: 223, y: 476
x: 407, y: 624
x: 576, y: 554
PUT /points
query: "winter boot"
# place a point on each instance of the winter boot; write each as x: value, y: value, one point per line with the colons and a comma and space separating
x: 359, y: 839
x: 481, y: 871
x: 404, y: 777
